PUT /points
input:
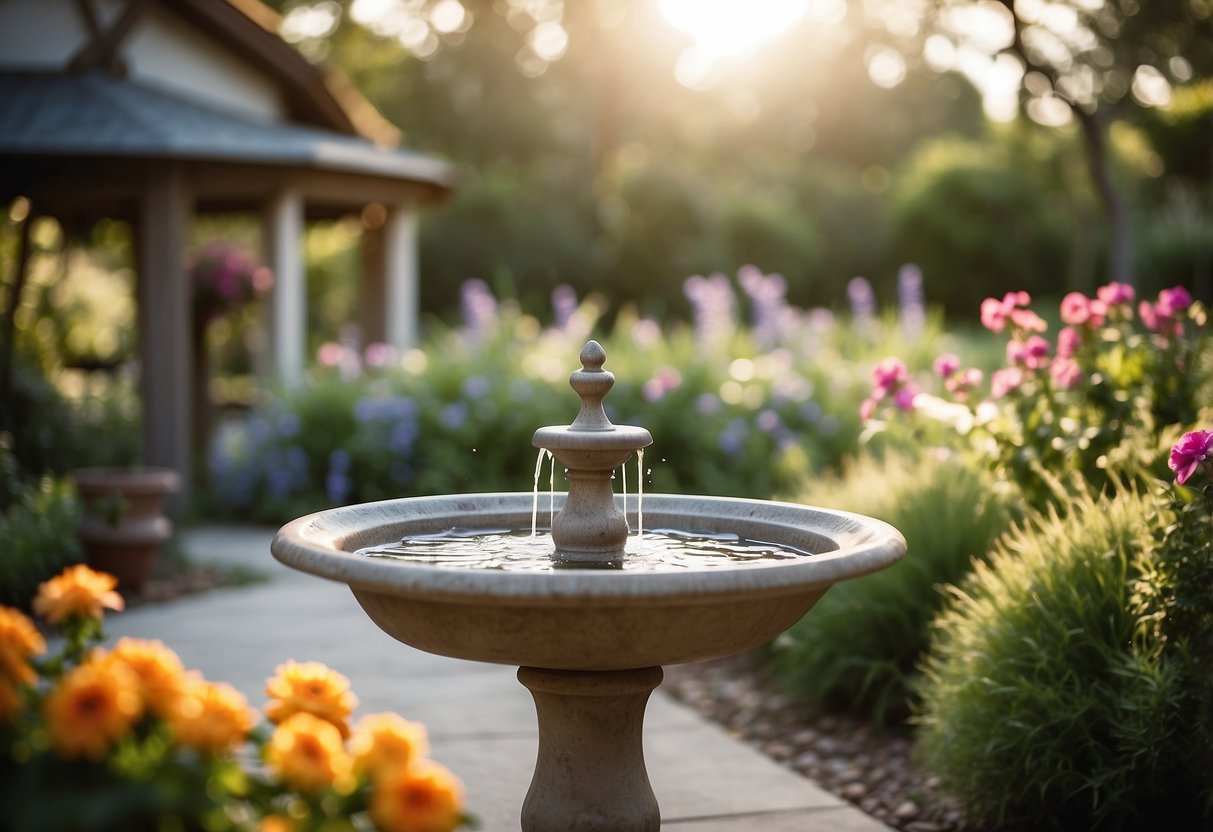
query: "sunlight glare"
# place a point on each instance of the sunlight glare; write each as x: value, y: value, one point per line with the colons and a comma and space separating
x: 725, y: 28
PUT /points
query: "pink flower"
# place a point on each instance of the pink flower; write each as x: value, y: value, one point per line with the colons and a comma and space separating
x: 947, y: 364
x: 1190, y: 453
x: 1028, y: 320
x: 867, y: 408
x: 1116, y: 294
x: 1032, y: 353
x: 330, y: 354
x: 1068, y: 341
x: 904, y: 399
x: 1078, y: 309
x: 888, y: 375
x: 1065, y: 372
x: 1004, y: 381
x: 994, y: 313
x: 379, y: 354
x: 962, y: 383
x: 1173, y: 301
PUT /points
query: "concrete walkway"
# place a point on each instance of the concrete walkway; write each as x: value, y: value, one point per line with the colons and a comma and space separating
x: 481, y: 721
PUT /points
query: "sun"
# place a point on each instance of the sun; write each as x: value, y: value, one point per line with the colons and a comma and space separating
x: 726, y: 28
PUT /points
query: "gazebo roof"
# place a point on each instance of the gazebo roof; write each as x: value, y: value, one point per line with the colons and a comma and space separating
x: 96, y: 115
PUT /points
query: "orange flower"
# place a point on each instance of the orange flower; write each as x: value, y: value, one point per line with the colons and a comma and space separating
x: 211, y: 717
x: 91, y: 708
x: 306, y: 752
x: 78, y: 590
x: 382, y: 742
x: 425, y: 797
x: 19, y: 639
x: 10, y: 701
x: 158, y: 670
x: 310, y: 688
x: 276, y: 823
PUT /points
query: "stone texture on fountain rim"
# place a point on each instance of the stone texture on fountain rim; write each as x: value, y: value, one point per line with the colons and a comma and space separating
x: 615, y: 438
x: 324, y: 543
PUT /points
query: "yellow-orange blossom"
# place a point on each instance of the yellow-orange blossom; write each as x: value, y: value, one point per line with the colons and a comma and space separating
x: 78, y: 590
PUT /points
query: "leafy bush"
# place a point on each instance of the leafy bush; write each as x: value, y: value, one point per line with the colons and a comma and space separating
x: 38, y: 527
x: 1045, y: 703
x: 859, y: 647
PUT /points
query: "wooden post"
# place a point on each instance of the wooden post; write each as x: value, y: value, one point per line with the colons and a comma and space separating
x: 164, y: 301
x: 283, y: 219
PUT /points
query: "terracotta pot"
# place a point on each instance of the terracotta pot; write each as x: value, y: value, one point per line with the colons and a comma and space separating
x: 122, y: 525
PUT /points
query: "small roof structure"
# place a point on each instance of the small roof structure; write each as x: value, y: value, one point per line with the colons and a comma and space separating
x: 153, y: 110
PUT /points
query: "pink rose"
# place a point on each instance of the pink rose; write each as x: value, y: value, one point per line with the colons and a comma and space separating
x: 1173, y: 301
x: 1116, y: 294
x: 1078, y: 309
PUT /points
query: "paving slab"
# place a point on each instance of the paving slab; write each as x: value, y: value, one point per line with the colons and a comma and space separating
x: 481, y: 721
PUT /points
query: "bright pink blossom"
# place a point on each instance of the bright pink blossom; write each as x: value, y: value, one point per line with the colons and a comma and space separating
x: 330, y: 354
x: 1032, y: 353
x: 1065, y: 372
x: 1028, y: 320
x: 1173, y: 301
x: 1078, y: 309
x: 1116, y: 294
x: 1004, y: 381
x: 379, y: 354
x: 1190, y: 453
x: 946, y: 365
x: 888, y: 375
x: 904, y: 399
x: 994, y: 312
x: 1068, y: 341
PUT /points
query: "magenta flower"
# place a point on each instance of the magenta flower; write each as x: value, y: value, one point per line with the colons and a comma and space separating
x: 1032, y: 353
x: 946, y: 365
x: 1173, y: 301
x: 904, y: 399
x: 888, y: 375
x: 1190, y: 453
x: 994, y: 313
x: 1116, y: 294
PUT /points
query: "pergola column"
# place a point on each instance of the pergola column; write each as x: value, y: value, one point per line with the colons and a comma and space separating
x: 388, y: 290
x: 401, y: 261
x: 283, y: 240
x: 164, y: 322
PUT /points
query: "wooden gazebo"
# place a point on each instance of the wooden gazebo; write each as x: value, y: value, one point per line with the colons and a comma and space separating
x: 154, y: 110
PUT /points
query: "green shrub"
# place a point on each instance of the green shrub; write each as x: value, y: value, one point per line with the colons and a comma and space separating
x: 38, y: 530
x: 859, y: 646
x: 1040, y: 707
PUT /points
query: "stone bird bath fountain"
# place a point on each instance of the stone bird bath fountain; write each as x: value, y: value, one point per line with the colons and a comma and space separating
x: 592, y: 624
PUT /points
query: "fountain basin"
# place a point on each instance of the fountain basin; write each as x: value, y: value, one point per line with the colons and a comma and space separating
x: 587, y: 619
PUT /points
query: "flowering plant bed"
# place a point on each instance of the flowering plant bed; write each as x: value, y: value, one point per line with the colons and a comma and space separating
x: 126, y: 738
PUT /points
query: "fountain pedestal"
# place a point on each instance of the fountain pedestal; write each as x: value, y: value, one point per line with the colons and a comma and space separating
x: 590, y: 775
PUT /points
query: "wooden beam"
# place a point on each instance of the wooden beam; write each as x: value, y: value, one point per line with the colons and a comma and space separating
x: 102, y: 49
x: 164, y: 324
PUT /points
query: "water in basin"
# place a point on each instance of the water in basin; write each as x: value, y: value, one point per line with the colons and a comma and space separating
x: 657, y: 550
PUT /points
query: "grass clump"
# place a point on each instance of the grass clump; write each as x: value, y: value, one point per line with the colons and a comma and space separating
x: 860, y: 645
x: 1045, y: 704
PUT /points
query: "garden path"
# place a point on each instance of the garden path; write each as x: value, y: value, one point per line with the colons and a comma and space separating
x: 480, y: 719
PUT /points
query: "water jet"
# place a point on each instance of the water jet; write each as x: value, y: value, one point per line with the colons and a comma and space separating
x: 589, y: 637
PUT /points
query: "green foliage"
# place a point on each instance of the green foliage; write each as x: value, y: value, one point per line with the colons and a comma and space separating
x: 1176, y: 244
x: 982, y: 217
x: 38, y: 526
x: 1042, y: 706
x: 859, y: 647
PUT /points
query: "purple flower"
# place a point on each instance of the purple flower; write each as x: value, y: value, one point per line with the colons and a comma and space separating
x: 564, y: 304
x: 910, y: 300
x: 1190, y: 453
x: 479, y: 307
x: 1173, y: 301
x: 863, y: 301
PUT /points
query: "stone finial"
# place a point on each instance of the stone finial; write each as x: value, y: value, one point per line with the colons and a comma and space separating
x: 592, y: 383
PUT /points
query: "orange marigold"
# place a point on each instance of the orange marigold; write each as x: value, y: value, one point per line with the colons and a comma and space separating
x: 425, y: 797
x: 382, y: 742
x: 157, y: 669
x: 306, y: 752
x: 19, y: 639
x: 311, y: 688
x: 91, y: 708
x: 10, y: 701
x: 78, y: 590
x: 211, y: 717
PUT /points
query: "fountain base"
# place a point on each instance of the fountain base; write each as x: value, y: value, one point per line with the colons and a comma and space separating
x: 590, y: 774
